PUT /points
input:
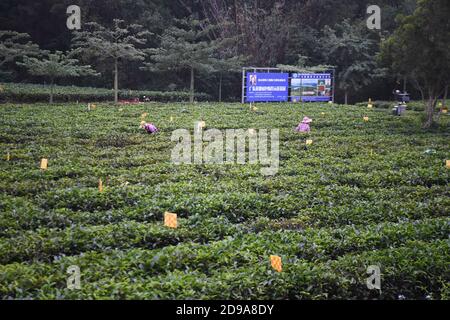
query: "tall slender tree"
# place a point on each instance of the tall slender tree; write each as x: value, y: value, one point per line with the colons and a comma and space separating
x: 115, y: 44
x: 185, y: 47
x: 55, y: 65
x: 228, y: 60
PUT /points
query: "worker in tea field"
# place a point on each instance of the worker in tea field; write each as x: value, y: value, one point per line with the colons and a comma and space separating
x: 304, y: 125
x: 149, y: 127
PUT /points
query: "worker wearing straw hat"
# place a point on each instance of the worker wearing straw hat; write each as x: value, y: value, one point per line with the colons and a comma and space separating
x: 304, y: 125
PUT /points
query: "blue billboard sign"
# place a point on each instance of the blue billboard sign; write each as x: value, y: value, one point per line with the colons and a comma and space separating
x: 311, y: 87
x: 267, y: 87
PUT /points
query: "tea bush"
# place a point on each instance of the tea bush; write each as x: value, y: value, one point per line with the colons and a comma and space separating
x: 364, y: 193
x: 29, y: 93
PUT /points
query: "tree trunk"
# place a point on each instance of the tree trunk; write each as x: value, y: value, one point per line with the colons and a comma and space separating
x: 432, y: 99
x: 422, y: 95
x: 418, y: 87
x: 220, y: 87
x: 116, y: 81
x: 52, y: 84
x: 346, y: 97
x: 191, y: 95
x: 444, y: 98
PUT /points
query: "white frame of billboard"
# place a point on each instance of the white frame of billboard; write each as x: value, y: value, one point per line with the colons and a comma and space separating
x: 269, y: 70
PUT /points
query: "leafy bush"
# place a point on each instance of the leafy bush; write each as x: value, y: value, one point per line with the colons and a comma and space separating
x: 29, y: 93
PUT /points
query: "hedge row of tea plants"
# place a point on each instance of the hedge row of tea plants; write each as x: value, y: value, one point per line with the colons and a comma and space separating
x: 413, y: 105
x: 30, y: 93
x: 363, y: 193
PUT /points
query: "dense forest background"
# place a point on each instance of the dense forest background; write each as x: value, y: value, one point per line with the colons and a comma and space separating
x: 266, y: 32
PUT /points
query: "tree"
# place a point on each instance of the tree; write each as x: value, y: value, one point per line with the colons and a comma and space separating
x: 302, y: 67
x: 14, y: 46
x: 55, y: 65
x: 350, y: 48
x: 225, y: 65
x: 228, y: 60
x: 185, y: 47
x: 420, y: 50
x: 115, y: 45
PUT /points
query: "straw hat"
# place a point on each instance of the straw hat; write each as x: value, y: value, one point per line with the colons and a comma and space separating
x: 306, y: 120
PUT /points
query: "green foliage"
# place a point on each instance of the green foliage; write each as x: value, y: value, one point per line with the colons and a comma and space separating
x: 57, y: 65
x: 302, y: 67
x: 413, y: 105
x: 14, y: 47
x: 419, y: 49
x: 364, y: 193
x: 115, y: 44
x: 351, y: 48
x: 186, y: 47
x: 27, y: 93
x: 118, y: 42
x: 266, y: 33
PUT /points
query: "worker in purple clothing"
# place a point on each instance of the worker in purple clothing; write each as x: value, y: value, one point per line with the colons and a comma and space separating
x: 304, y: 125
x: 149, y: 127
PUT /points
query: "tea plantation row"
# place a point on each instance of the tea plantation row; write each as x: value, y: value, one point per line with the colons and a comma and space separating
x: 364, y: 193
x: 29, y: 93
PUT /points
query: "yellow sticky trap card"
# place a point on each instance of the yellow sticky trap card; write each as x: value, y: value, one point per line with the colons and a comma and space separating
x: 8, y: 156
x: 322, y: 113
x: 370, y: 106
x: 444, y: 110
x: 255, y: 109
x: 44, y: 164
x: 309, y: 142
x: 171, y: 119
x: 366, y: 119
x: 275, y: 261
x: 447, y: 164
x: 100, y: 185
x: 170, y: 220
